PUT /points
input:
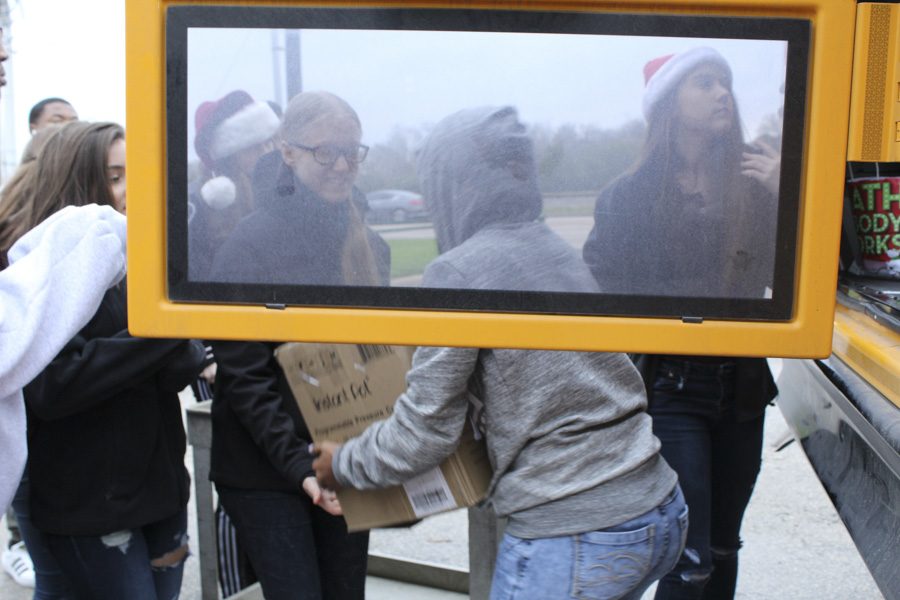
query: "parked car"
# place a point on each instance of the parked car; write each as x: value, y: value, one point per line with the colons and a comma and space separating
x: 395, y: 206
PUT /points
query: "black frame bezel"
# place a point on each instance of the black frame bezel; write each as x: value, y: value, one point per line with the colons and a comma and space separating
x: 796, y: 32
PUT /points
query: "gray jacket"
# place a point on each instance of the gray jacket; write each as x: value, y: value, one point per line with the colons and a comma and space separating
x: 567, y: 434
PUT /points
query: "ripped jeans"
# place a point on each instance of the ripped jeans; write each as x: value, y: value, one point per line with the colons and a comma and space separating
x: 50, y: 582
x: 118, y: 565
x: 717, y: 459
x: 618, y: 562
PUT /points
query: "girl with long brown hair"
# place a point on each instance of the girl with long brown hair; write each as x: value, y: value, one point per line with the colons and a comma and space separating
x: 16, y: 193
x: 108, y: 486
x: 40, y: 188
x: 696, y: 218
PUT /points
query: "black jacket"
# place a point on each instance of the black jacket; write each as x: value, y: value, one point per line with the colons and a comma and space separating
x: 647, y: 243
x: 630, y: 253
x: 754, y: 386
x: 203, y: 237
x: 260, y: 440
x: 294, y: 237
x: 106, y: 440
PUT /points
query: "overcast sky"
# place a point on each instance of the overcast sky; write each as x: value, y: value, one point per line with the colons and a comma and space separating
x: 410, y: 78
x: 76, y: 50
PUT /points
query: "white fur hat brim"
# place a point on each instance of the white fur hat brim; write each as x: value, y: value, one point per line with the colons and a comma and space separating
x: 253, y: 124
x: 674, y: 70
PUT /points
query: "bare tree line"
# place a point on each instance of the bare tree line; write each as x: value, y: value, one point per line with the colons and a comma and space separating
x: 570, y: 158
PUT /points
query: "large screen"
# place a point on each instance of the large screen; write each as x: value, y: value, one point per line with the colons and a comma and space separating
x: 530, y: 162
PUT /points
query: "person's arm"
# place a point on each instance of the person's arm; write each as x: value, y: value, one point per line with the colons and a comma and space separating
x: 59, y: 273
x: 763, y: 166
x: 428, y: 418
x: 247, y: 381
x: 606, y: 250
x: 184, y: 367
x: 424, y: 428
x: 89, y: 372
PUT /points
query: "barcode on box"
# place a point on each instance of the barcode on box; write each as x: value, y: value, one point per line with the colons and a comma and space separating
x: 428, y: 498
x: 369, y: 352
x: 429, y: 493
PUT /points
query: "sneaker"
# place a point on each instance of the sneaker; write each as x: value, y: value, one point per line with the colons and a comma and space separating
x: 17, y: 563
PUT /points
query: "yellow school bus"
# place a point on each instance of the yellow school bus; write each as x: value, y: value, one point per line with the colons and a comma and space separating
x: 820, y: 78
x: 845, y: 409
x: 792, y: 61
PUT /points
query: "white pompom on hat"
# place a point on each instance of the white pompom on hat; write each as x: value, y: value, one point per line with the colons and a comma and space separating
x: 664, y: 73
x: 219, y: 192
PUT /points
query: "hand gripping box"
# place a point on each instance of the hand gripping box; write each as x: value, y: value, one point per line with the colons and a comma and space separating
x: 341, y: 389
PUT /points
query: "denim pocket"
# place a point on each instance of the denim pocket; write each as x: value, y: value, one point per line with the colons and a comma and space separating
x: 610, y: 563
x: 510, y: 569
x: 676, y: 545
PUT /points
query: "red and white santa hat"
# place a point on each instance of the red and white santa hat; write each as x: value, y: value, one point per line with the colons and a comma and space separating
x: 664, y: 73
x: 225, y: 126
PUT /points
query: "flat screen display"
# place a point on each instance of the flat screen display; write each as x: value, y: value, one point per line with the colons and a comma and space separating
x: 500, y: 161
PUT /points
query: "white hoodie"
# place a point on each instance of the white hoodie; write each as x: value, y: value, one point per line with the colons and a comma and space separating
x: 57, y: 276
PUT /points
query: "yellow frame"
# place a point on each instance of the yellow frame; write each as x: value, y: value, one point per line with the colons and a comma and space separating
x: 871, y: 349
x: 807, y: 334
x: 875, y: 100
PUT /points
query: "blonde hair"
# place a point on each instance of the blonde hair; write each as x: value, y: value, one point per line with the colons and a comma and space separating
x: 358, y: 264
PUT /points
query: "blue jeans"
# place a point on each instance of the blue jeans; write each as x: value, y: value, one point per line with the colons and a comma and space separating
x: 49, y: 581
x: 298, y: 551
x: 616, y: 562
x: 117, y: 565
x: 717, y: 459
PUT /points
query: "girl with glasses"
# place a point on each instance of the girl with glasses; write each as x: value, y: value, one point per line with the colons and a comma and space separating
x: 308, y: 229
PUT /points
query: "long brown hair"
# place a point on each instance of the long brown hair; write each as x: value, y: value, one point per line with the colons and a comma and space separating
x: 358, y: 264
x: 660, y: 161
x: 70, y: 170
x: 17, y: 191
x: 659, y: 155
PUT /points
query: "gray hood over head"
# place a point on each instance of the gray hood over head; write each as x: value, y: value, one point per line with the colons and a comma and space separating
x: 476, y: 169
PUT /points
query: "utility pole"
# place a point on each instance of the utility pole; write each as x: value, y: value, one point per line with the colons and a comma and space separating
x: 277, y: 73
x: 292, y: 62
x: 8, y: 157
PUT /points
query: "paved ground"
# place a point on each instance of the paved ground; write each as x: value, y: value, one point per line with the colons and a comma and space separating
x: 795, y: 545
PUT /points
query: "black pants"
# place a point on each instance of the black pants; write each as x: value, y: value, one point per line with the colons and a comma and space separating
x: 298, y: 551
x: 717, y: 460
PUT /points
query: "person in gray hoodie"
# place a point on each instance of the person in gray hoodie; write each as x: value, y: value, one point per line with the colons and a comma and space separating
x: 577, y: 470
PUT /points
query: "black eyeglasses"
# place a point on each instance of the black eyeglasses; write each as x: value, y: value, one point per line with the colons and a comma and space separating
x: 327, y: 154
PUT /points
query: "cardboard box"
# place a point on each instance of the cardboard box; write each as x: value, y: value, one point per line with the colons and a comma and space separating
x: 341, y: 389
